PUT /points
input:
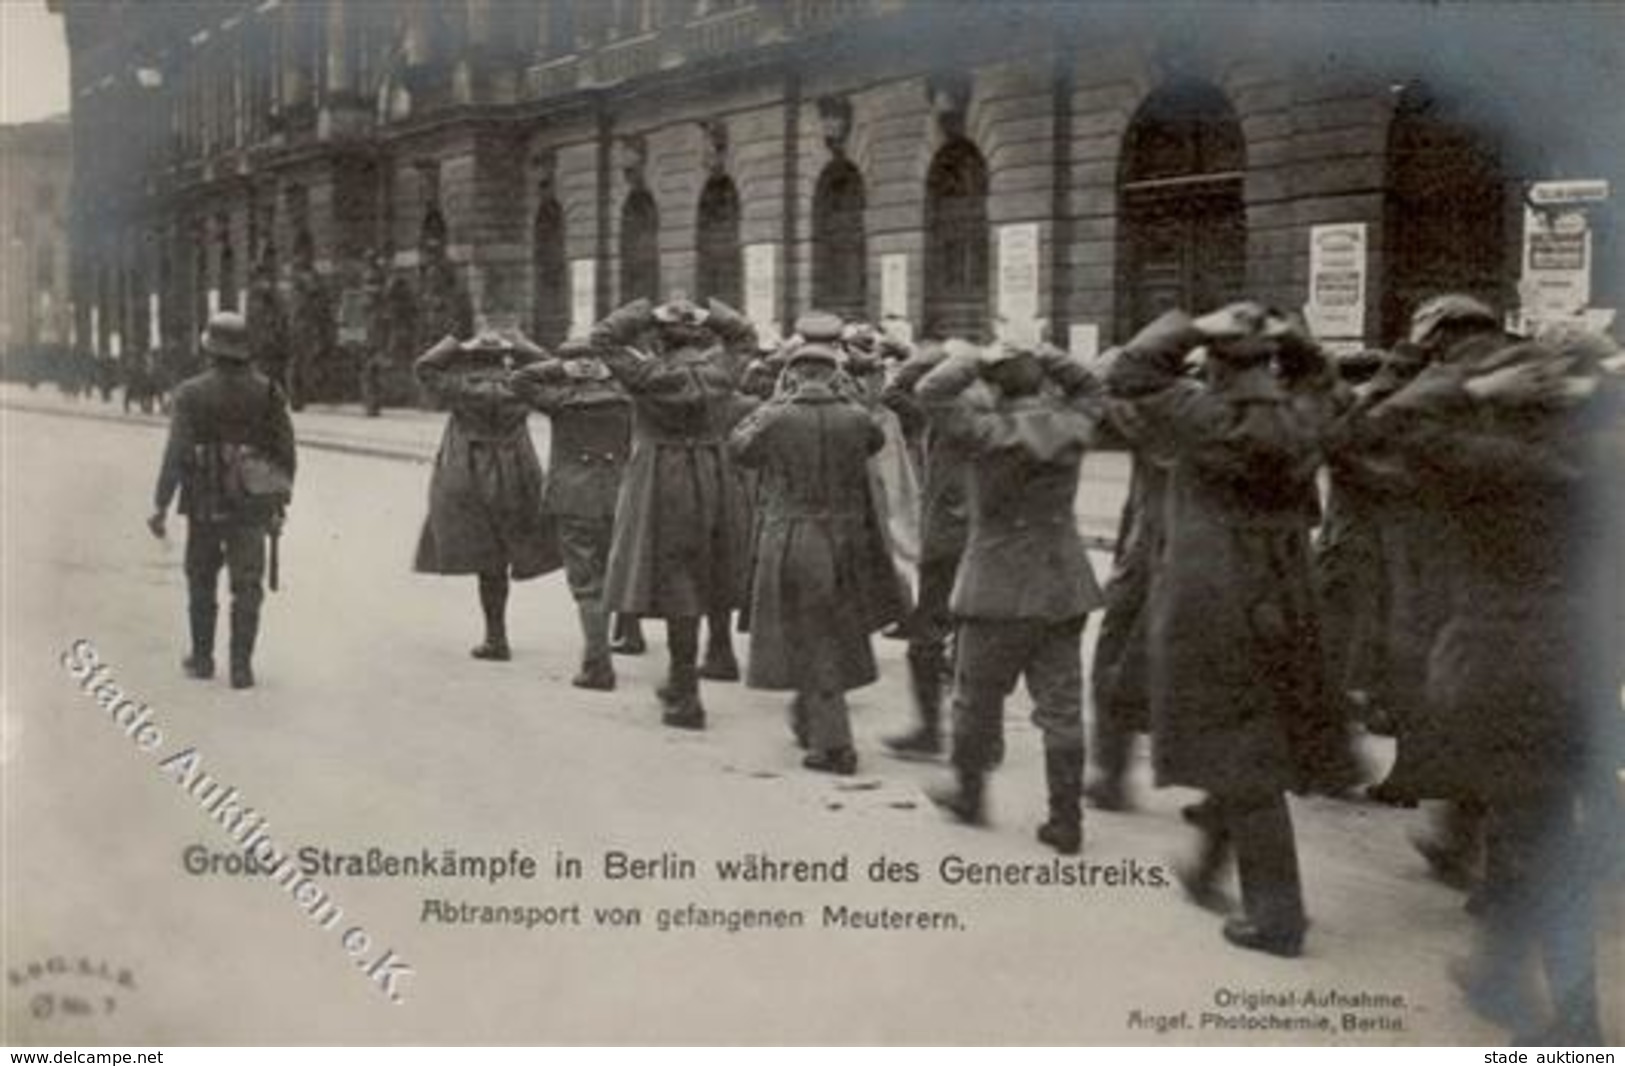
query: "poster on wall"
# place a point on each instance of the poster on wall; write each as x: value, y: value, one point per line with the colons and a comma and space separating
x: 761, y: 287
x: 583, y: 295
x: 1556, y: 278
x: 1337, y: 281
x: 1083, y: 340
x: 1018, y: 281
x: 894, y: 285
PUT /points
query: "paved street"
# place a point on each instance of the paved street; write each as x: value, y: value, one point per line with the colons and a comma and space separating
x: 373, y: 728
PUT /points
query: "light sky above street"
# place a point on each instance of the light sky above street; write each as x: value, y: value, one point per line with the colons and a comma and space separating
x: 33, y: 62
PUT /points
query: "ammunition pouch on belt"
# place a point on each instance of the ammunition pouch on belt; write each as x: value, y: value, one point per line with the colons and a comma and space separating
x: 235, y: 481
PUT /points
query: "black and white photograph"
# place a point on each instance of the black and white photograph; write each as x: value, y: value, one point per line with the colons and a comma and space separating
x: 812, y: 522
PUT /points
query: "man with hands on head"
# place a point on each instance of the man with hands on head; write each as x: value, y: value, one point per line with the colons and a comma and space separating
x: 1024, y: 587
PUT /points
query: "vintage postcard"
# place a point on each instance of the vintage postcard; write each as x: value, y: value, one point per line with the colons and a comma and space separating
x: 811, y: 522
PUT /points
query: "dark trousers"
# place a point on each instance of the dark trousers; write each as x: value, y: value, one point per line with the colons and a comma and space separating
x: 1538, y: 888
x: 824, y: 711
x: 929, y: 628
x: 993, y: 654
x: 1257, y: 829
x: 239, y: 547
x: 1119, y: 682
x: 932, y: 623
x: 372, y: 383
x: 584, y: 543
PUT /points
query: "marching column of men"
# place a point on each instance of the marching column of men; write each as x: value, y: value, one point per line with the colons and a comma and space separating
x: 1463, y: 595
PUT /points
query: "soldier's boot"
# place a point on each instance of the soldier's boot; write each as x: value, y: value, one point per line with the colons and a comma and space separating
x: 1271, y: 886
x: 1112, y: 746
x: 1063, y: 773
x: 245, y: 628
x: 628, y: 638
x: 597, y: 671
x: 200, y: 663
x: 720, y: 663
x: 925, y: 679
x: 1453, y: 843
x: 1199, y: 876
x: 680, y: 695
x: 494, y: 605
x: 966, y: 798
x: 799, y: 725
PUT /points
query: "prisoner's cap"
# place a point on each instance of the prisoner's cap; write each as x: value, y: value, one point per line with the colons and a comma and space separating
x: 576, y: 347
x: 861, y: 336
x: 681, y: 312
x: 820, y: 327
x: 1451, y: 309
x: 814, y: 352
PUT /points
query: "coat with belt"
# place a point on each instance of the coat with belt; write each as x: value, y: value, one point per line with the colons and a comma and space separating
x: 1237, y: 693
x: 682, y: 528
x: 1521, y: 696
x: 485, y: 492
x: 1024, y: 558
x: 230, y: 406
x: 590, y: 442
x: 823, y: 577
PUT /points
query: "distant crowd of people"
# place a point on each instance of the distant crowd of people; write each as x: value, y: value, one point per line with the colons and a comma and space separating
x: 142, y: 380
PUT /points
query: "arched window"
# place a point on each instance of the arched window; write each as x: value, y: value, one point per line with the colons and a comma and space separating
x: 640, y: 248
x: 1445, y: 220
x: 840, y: 262
x: 1183, y: 220
x: 720, y: 268
x: 550, y: 281
x: 956, y: 236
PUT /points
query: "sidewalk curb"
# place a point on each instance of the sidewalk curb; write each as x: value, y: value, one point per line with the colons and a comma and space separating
x: 319, y: 442
x: 1093, y: 541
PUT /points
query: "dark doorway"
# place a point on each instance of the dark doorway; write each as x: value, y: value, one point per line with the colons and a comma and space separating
x: 1445, y: 221
x: 550, y: 281
x: 640, y: 248
x: 840, y: 260
x: 1183, y: 241
x: 956, y: 242
x: 719, y: 271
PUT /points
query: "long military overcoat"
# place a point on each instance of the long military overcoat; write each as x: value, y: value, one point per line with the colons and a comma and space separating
x: 824, y: 579
x: 1237, y: 692
x: 485, y: 492
x: 1518, y: 699
x: 682, y: 527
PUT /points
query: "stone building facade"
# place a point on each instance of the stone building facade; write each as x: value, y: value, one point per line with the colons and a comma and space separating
x: 36, y: 168
x: 379, y: 173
